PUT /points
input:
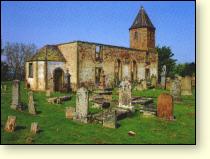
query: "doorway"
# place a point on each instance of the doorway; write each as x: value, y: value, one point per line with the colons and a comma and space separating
x: 58, y: 78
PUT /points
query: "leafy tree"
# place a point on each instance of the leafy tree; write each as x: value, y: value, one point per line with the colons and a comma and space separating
x: 165, y: 58
x: 17, y: 54
x: 186, y: 69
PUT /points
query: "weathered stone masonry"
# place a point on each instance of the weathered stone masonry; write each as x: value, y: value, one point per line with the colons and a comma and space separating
x: 85, y: 60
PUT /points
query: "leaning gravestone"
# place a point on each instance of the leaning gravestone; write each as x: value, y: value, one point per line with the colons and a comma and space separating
x: 165, y: 106
x: 125, y: 95
x: 175, y: 89
x: 81, y: 105
x: 31, y: 107
x: 186, y: 86
x: 34, y: 127
x: 110, y: 119
x: 10, y: 124
x: 16, y: 95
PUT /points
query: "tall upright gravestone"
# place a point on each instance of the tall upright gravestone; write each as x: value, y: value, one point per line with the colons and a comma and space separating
x: 154, y: 81
x: 186, y: 86
x: 16, y: 95
x: 163, y: 77
x: 82, y: 98
x: 125, y: 95
x: 31, y: 107
x: 175, y: 89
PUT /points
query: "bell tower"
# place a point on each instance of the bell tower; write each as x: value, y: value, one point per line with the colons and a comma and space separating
x: 142, y: 32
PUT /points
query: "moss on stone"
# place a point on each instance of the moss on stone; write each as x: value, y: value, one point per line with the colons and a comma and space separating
x: 49, y: 53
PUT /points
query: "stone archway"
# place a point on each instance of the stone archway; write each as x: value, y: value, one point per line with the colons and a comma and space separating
x: 58, y: 79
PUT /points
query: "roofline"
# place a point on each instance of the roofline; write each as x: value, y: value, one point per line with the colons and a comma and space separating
x: 45, y: 60
x: 121, y: 47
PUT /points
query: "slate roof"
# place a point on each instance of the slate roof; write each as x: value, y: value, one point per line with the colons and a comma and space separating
x: 50, y: 53
x: 142, y: 20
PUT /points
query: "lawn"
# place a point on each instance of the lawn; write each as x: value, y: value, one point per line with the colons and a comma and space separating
x: 56, y: 129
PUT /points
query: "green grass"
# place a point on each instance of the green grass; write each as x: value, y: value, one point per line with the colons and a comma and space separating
x: 55, y: 129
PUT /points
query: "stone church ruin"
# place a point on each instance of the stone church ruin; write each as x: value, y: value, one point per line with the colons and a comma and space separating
x: 67, y: 66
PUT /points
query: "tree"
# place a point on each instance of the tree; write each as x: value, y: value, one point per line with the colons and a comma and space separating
x: 5, y: 72
x: 165, y: 58
x: 17, y: 54
x: 186, y: 69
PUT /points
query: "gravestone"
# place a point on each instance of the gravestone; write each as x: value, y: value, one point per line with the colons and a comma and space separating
x: 10, y: 124
x: 186, y: 86
x: 168, y: 83
x: 125, y: 95
x: 175, y: 89
x: 70, y: 112
x: 31, y: 107
x: 193, y: 81
x: 48, y: 93
x: 165, y: 106
x: 16, y: 95
x: 163, y: 77
x: 144, y: 84
x: 34, y: 128
x: 154, y: 81
x: 82, y: 98
x: 110, y: 119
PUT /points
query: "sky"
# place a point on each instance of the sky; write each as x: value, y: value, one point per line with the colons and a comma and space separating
x: 44, y: 23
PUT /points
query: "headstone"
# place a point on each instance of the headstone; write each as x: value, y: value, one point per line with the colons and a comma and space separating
x: 82, y: 98
x: 186, y: 87
x: 48, y: 93
x: 193, y: 81
x: 16, y: 95
x: 144, y: 84
x: 125, y: 95
x: 34, y: 128
x: 165, y: 106
x: 168, y: 83
x: 110, y: 119
x: 10, y: 124
x: 31, y: 107
x: 70, y: 112
x: 154, y: 81
x: 175, y: 90
x: 163, y: 77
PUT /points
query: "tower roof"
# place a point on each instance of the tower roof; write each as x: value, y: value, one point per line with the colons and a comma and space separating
x: 142, y: 20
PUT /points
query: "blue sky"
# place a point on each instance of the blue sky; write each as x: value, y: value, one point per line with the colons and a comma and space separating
x: 44, y: 23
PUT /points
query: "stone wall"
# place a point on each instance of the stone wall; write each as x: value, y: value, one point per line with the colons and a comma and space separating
x: 109, y: 55
x: 69, y: 51
x: 81, y: 62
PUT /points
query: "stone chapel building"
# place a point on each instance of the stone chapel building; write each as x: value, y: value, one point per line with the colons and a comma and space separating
x: 86, y: 61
